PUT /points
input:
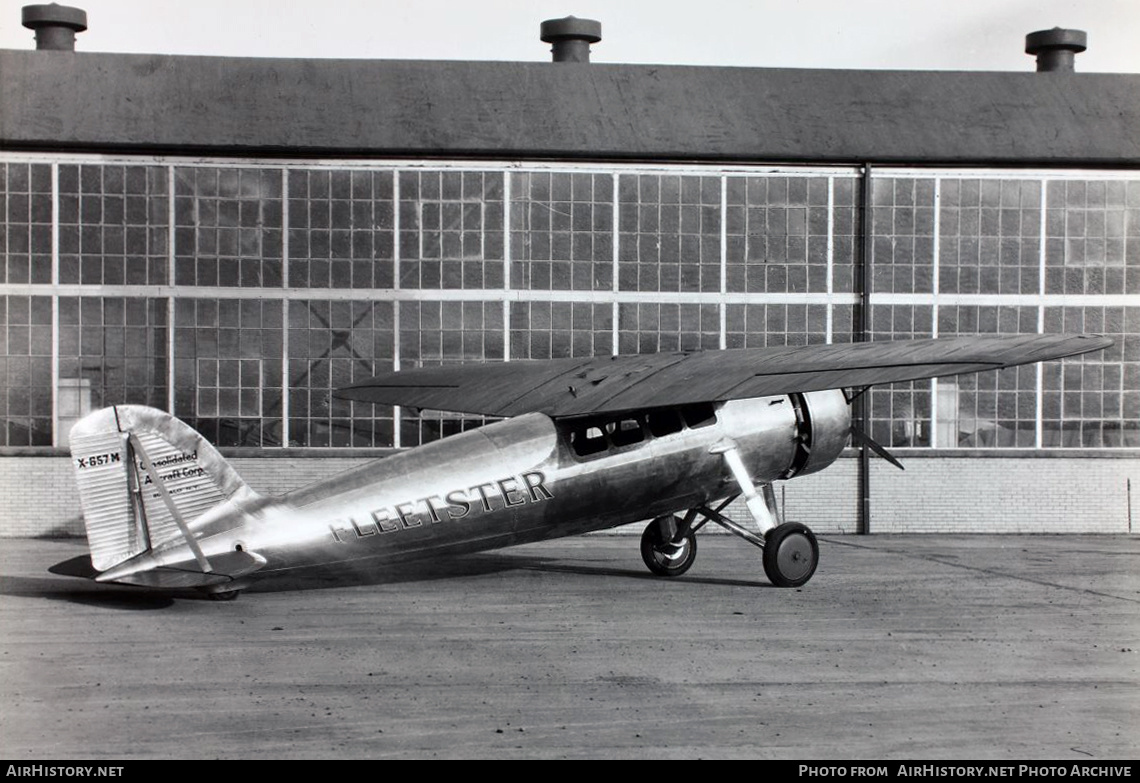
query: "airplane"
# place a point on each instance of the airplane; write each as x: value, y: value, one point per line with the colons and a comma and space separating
x: 584, y: 445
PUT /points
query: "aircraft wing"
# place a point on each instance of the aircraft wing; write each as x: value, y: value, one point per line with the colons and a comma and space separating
x: 579, y: 387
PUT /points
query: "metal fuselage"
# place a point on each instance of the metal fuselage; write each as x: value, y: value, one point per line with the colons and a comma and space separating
x: 523, y: 480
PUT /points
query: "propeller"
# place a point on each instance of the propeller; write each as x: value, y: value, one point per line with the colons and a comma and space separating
x: 861, y: 438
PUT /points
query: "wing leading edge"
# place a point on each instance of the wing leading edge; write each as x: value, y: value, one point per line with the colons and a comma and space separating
x: 579, y: 387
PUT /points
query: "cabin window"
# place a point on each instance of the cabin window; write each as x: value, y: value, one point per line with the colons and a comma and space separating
x: 625, y: 432
x: 587, y: 439
x: 662, y: 422
x: 701, y: 414
x: 592, y: 437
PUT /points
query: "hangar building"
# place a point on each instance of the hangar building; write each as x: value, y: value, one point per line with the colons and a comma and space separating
x: 230, y: 239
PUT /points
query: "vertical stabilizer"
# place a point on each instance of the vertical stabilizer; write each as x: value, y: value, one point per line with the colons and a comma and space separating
x: 144, y: 477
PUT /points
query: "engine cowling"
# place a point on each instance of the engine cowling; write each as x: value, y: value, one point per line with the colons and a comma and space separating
x: 787, y: 436
x: 823, y: 427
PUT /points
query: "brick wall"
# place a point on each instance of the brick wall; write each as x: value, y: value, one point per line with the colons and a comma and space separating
x: 967, y: 494
x: 970, y: 494
x: 995, y: 495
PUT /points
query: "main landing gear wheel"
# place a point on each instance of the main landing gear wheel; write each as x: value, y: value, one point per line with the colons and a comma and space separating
x: 226, y: 595
x: 663, y: 557
x: 790, y: 555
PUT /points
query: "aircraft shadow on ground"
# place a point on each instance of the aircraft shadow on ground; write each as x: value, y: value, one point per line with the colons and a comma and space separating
x: 86, y: 593
x: 73, y: 588
x: 459, y: 566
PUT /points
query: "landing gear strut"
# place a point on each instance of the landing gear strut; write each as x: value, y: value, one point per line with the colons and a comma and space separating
x: 791, y: 553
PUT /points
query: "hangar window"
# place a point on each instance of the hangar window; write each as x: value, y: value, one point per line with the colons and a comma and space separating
x: 227, y: 380
x: 142, y: 241
x: 229, y: 388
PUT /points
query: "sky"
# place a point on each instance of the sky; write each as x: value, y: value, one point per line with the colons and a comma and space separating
x: 879, y: 34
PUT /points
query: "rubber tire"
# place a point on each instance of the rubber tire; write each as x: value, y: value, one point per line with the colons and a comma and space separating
x: 785, y: 548
x: 657, y: 562
x: 225, y: 595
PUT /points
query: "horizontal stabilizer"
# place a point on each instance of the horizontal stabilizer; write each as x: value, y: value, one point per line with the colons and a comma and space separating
x: 146, y: 571
x: 172, y: 579
x: 77, y: 566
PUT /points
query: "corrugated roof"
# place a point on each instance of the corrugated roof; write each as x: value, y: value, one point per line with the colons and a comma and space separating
x: 85, y: 101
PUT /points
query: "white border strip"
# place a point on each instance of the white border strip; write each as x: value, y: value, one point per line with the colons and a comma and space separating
x: 830, y: 329
x: 393, y: 298
x: 722, y: 307
x: 171, y: 216
x: 542, y: 295
x: 432, y: 165
x: 171, y: 232
x: 170, y: 358
x: 55, y: 434
x: 881, y: 170
x: 285, y: 259
x: 1039, y: 424
x: 615, y: 338
x: 506, y: 264
x: 935, y: 286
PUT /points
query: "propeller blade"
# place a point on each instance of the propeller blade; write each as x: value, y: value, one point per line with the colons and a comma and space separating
x: 861, y: 438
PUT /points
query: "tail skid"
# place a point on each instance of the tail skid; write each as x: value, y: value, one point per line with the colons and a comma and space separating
x: 144, y: 479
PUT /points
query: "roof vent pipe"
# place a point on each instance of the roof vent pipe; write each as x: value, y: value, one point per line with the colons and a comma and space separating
x: 1056, y: 49
x: 55, y: 25
x: 571, y: 38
